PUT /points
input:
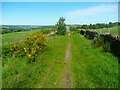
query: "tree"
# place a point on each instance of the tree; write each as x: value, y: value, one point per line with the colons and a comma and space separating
x: 85, y: 27
x: 93, y: 26
x: 18, y: 30
x: 110, y: 24
x: 107, y: 25
x: 61, y: 26
x: 90, y: 26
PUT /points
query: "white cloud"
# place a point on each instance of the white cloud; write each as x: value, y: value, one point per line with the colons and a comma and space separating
x: 97, y: 10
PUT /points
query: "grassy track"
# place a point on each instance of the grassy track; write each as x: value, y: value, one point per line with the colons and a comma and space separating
x: 67, y: 78
x: 92, y: 68
x: 57, y: 61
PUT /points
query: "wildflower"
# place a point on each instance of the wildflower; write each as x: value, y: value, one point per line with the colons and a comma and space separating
x: 33, y: 51
x: 29, y: 56
x: 25, y: 49
x: 37, y: 47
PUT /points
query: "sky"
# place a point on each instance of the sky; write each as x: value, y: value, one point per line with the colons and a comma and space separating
x: 60, y: 0
x: 48, y: 13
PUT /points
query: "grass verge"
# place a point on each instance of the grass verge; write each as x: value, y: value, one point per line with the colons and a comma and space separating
x: 46, y: 72
x: 91, y: 67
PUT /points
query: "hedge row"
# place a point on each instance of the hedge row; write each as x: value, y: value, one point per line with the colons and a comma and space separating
x: 113, y: 40
x: 10, y: 31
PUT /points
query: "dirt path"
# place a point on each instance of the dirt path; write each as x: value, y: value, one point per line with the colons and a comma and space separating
x: 67, y: 79
x: 67, y: 27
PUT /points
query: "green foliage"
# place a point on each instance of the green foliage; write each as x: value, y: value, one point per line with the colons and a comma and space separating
x: 6, y: 50
x: 17, y: 49
x: 85, y: 27
x: 61, y: 26
x: 45, y: 31
x: 27, y: 30
x: 76, y: 32
x: 72, y: 28
x: 91, y: 67
x: 5, y: 31
x: 87, y: 36
x: 99, y: 25
x: 106, y: 46
x: 33, y: 44
x: 29, y: 47
x: 10, y: 31
x: 99, y: 41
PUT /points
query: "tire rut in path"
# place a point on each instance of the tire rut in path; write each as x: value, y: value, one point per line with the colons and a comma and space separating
x: 67, y: 79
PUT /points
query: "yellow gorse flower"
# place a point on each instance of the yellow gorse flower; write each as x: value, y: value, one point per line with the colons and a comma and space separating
x: 29, y: 56
x: 25, y: 49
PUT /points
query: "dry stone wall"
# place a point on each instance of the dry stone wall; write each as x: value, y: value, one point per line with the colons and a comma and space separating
x: 113, y: 39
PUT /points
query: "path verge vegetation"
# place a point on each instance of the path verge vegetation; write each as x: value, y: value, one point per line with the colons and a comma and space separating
x: 87, y: 66
x: 92, y: 67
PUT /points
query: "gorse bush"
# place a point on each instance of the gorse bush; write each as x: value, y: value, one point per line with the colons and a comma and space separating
x: 17, y: 49
x: 33, y: 44
x: 30, y: 46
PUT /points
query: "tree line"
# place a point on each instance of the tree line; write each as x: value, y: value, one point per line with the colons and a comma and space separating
x: 13, y: 30
x: 95, y: 26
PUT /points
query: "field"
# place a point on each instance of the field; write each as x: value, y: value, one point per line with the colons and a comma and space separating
x: 9, y: 37
x: 113, y: 30
x: 15, y: 35
x: 70, y: 61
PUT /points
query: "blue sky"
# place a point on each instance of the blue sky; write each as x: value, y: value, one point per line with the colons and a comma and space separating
x: 48, y: 13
